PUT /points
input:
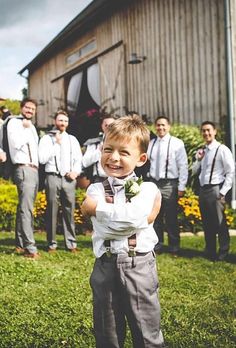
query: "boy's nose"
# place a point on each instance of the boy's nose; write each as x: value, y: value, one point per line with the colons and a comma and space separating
x: 115, y: 156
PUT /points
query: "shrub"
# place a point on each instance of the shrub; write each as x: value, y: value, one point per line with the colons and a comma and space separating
x: 12, y: 105
x: 8, y: 205
x: 189, y: 213
x: 191, y: 137
x: 40, y: 211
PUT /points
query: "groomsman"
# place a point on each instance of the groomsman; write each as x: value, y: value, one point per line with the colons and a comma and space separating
x: 62, y: 156
x: 23, y: 147
x: 169, y: 171
x: 216, y: 166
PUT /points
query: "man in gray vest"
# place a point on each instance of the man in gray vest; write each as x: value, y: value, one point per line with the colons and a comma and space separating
x: 62, y: 156
x: 216, y: 166
x: 169, y: 171
x: 23, y: 147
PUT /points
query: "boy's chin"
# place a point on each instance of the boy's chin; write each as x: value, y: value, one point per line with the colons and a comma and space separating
x: 117, y: 175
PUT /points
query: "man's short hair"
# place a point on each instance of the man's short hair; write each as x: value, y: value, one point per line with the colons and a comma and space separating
x: 130, y: 127
x: 60, y: 112
x: 28, y: 100
x: 106, y: 116
x: 160, y: 117
x: 208, y: 122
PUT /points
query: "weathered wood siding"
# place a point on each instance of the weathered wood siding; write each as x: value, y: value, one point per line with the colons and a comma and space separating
x: 184, y: 75
x: 233, y: 27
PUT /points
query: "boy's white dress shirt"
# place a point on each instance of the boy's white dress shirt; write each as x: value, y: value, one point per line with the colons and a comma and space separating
x: 119, y: 220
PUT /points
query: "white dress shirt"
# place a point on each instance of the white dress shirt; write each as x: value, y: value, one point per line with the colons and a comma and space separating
x: 49, y: 149
x: 224, y: 167
x: 177, y: 162
x: 18, y: 138
x: 92, y: 156
x: 119, y: 220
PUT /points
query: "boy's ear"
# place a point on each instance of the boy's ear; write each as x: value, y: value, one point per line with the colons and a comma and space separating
x: 142, y: 160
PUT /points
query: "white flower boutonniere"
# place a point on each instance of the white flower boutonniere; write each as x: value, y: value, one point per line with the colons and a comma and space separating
x: 132, y: 188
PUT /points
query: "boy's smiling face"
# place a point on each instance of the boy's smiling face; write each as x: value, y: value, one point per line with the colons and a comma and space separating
x: 121, y: 156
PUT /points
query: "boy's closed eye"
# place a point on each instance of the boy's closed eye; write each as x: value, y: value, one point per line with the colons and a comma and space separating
x: 110, y: 150
x: 107, y: 149
x: 125, y: 152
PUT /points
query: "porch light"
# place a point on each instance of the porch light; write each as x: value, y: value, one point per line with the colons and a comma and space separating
x: 135, y: 59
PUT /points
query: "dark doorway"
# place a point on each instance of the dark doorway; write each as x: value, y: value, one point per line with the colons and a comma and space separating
x: 83, y: 104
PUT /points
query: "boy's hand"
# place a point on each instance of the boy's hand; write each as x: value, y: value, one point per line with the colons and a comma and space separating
x: 89, y: 206
x: 3, y: 156
x: 155, y: 209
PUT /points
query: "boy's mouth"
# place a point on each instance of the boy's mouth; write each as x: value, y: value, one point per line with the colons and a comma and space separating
x: 114, y: 167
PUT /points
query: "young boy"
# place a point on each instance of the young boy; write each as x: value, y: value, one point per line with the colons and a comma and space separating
x: 124, y: 278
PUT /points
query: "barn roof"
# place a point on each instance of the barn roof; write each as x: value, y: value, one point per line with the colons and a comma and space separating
x: 95, y: 11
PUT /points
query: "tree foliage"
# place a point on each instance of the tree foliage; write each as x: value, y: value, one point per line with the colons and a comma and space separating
x: 12, y: 105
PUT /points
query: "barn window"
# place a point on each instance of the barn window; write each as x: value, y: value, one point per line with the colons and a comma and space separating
x: 81, y: 52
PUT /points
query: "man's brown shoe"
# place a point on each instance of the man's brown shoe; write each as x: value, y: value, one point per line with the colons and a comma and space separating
x: 73, y: 250
x: 19, y: 250
x: 32, y: 256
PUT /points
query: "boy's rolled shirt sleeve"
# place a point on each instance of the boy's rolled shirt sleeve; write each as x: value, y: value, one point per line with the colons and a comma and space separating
x: 120, y: 217
x: 125, y: 217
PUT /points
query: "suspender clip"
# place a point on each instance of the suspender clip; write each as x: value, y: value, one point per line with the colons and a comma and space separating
x: 108, y: 251
x: 132, y: 252
x: 107, y: 244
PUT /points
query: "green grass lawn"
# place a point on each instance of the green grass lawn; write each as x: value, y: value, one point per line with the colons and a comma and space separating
x: 47, y: 302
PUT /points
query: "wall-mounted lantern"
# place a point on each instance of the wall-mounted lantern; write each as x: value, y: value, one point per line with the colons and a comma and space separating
x: 135, y: 59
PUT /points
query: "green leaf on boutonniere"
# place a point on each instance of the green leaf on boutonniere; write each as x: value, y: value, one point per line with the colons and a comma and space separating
x: 132, y: 187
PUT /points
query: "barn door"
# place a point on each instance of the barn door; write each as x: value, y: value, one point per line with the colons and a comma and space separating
x: 112, y: 80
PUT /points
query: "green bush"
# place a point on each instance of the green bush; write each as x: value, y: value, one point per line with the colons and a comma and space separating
x: 40, y: 212
x: 8, y: 205
x: 191, y: 137
x: 12, y: 105
x: 189, y: 215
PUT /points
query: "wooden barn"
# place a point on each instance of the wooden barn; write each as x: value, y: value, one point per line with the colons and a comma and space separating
x: 172, y: 57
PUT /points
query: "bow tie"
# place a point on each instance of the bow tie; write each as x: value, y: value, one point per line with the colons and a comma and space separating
x: 118, y: 184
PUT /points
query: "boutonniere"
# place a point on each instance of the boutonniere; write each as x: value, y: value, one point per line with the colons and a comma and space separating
x: 132, y: 187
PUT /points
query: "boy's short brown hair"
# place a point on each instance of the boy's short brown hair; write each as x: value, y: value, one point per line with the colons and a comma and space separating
x: 130, y: 126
